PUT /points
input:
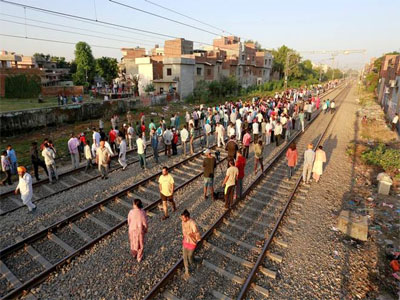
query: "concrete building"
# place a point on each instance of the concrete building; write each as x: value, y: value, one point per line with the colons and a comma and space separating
x: 178, y: 47
x: 389, y: 85
x: 253, y: 67
x: 178, y: 76
x: 148, y: 70
x: 183, y: 67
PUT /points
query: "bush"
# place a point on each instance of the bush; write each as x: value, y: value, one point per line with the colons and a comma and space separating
x: 149, y: 88
x: 22, y: 86
x: 386, y: 158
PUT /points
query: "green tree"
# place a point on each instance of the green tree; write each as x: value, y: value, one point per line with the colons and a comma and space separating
x: 85, y: 65
x: 60, y: 61
x: 107, y: 68
x: 279, y: 64
x: 149, y: 88
x: 201, y: 91
x: 41, y: 57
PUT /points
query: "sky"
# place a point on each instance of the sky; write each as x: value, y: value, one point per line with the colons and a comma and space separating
x: 309, y: 25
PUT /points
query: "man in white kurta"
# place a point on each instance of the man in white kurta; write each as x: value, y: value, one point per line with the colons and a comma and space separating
x: 122, y: 153
x: 25, y: 188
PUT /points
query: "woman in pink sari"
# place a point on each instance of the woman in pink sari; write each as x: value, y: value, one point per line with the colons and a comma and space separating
x: 318, y: 102
x: 137, y: 222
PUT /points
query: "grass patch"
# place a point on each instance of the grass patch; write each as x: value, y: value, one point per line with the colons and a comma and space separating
x: 388, y: 159
x: 30, y: 103
x: 377, y: 131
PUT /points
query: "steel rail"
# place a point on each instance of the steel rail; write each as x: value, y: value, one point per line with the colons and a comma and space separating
x: 41, y: 182
x: 30, y: 239
x: 268, y: 241
x: 163, y: 281
x: 62, y: 223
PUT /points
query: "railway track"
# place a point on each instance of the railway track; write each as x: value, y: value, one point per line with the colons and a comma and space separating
x: 9, y: 202
x: 247, y: 241
x: 55, y: 245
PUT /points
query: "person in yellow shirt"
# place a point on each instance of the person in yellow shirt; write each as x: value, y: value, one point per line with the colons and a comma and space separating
x: 166, y: 186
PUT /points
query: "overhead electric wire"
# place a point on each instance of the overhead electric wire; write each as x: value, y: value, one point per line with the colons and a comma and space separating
x: 53, y: 41
x: 72, y: 32
x: 189, y: 17
x: 165, y: 18
x: 104, y: 22
x: 72, y: 27
x: 86, y: 18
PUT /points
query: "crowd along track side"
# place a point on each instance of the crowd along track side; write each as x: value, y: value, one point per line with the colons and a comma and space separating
x: 67, y: 181
x: 247, y: 224
x: 105, y: 216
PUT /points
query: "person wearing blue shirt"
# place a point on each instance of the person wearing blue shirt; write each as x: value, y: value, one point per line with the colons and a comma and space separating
x: 13, y: 159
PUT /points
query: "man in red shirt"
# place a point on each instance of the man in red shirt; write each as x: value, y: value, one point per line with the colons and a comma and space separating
x: 112, y: 136
x: 240, y: 164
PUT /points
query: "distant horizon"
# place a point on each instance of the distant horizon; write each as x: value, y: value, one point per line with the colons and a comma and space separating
x: 313, y: 26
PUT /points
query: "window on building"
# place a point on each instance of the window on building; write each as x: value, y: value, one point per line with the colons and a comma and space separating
x: 266, y: 61
x: 263, y: 72
x: 169, y: 72
x: 218, y: 69
x: 252, y: 58
x: 199, y: 71
x: 209, y: 72
x: 161, y: 90
x: 239, y: 71
x: 243, y: 57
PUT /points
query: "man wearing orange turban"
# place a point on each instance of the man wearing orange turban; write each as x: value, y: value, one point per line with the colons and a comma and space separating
x: 25, y: 188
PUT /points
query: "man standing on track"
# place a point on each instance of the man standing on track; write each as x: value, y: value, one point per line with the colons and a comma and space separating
x: 36, y: 161
x: 232, y: 147
x: 209, y: 165
x: 309, y: 156
x: 191, y: 236
x: 246, y: 144
x: 154, y: 144
x: 13, y: 159
x: 141, y: 146
x: 73, y: 144
x: 220, y: 131
x: 103, y: 156
x: 168, y: 136
x: 49, y: 159
x: 320, y: 159
x: 122, y: 152
x: 229, y: 183
x: 240, y: 164
x: 278, y: 133
x: 166, y: 186
x: 137, y: 222
x: 25, y: 188
x: 184, y: 138
x: 130, y: 134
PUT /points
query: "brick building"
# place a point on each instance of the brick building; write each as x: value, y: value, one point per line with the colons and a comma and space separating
x: 389, y: 85
x: 178, y: 67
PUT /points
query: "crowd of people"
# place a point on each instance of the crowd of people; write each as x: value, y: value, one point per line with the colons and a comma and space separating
x: 261, y: 121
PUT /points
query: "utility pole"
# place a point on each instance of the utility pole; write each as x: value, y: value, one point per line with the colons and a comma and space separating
x: 288, y: 54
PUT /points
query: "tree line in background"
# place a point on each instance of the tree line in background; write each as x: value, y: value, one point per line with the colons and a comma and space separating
x: 84, y: 68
